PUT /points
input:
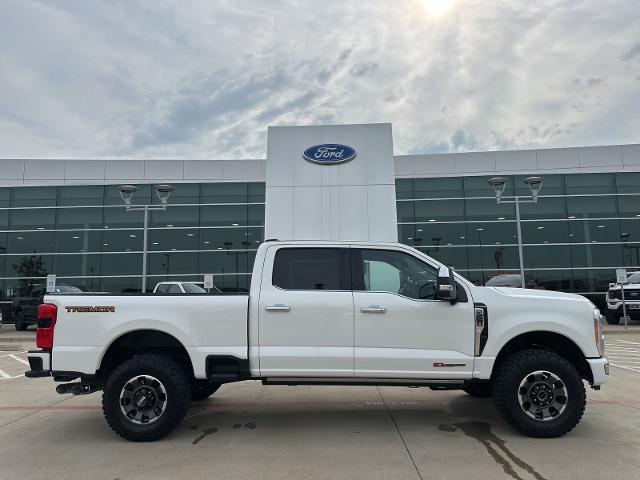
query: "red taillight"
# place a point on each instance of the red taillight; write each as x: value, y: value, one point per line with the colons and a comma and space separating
x: 47, y: 316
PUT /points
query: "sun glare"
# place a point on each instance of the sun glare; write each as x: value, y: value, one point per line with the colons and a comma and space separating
x: 437, y: 8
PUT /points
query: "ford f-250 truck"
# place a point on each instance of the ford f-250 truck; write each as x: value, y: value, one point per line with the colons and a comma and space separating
x: 322, y: 313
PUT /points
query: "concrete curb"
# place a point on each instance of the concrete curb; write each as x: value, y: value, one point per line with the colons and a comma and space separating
x: 616, y: 329
x: 17, y: 339
x: 11, y: 347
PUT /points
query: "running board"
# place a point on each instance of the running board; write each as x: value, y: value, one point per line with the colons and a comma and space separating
x: 382, y: 382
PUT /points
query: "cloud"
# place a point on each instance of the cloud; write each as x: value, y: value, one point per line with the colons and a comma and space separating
x: 191, y: 79
x: 592, y: 82
x: 363, y: 69
x: 631, y: 53
x: 461, y: 141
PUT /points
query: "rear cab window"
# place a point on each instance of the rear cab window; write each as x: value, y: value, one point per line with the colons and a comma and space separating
x: 312, y: 268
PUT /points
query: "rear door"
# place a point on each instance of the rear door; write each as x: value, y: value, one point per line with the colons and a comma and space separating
x: 306, y: 312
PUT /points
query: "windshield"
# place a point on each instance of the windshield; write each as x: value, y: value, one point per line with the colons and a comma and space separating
x: 192, y: 288
x: 634, y: 278
x: 503, y: 281
x: 68, y: 289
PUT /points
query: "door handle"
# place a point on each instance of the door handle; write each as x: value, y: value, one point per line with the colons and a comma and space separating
x: 277, y: 308
x: 373, y: 309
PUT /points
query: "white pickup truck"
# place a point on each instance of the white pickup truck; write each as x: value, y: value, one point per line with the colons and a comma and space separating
x: 615, y: 309
x: 338, y: 313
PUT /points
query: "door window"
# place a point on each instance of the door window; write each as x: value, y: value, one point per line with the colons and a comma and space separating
x: 174, y: 289
x: 312, y: 269
x: 399, y: 273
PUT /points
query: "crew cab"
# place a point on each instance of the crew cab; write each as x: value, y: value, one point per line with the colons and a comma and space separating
x: 337, y: 313
x: 631, y: 299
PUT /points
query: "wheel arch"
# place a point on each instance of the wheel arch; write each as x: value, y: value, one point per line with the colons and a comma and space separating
x: 143, y: 341
x: 546, y: 340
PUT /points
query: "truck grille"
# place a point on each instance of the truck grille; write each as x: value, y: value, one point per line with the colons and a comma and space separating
x: 629, y: 294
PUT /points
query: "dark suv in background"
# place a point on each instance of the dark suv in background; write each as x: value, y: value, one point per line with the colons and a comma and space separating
x: 25, y: 308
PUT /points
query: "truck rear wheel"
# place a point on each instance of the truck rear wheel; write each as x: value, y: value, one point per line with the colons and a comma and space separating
x: 203, y: 389
x: 613, y: 318
x: 146, y: 397
x: 539, y: 393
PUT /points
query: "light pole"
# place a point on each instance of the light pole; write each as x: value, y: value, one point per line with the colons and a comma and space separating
x: 535, y: 184
x: 163, y: 192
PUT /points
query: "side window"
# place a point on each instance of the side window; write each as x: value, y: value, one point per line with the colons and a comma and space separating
x: 398, y: 272
x: 162, y: 288
x: 312, y: 269
x: 174, y: 289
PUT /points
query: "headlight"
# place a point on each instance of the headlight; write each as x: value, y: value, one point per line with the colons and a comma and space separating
x: 597, y: 331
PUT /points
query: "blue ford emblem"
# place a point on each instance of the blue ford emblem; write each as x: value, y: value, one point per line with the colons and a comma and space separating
x: 329, y: 154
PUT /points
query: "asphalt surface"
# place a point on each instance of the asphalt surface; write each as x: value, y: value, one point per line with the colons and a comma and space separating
x: 247, y: 430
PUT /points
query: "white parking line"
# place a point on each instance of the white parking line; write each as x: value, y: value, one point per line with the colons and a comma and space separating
x: 627, y: 341
x: 14, y: 353
x: 5, y: 375
x: 18, y: 359
x: 633, y: 369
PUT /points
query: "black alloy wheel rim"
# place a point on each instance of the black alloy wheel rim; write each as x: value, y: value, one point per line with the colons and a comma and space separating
x: 143, y: 399
x: 543, y: 395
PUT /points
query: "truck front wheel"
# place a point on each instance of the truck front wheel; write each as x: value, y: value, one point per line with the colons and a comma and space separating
x: 203, y: 389
x: 613, y: 318
x: 539, y: 393
x: 146, y: 397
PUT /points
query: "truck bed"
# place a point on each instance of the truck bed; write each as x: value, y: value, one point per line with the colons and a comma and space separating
x: 204, y: 324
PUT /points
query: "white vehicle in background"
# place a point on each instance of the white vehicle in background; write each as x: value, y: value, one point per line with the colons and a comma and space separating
x: 327, y: 313
x: 183, y: 287
x: 631, y: 300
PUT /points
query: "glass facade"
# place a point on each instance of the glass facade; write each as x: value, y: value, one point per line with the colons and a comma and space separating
x: 583, y: 227
x: 85, y: 236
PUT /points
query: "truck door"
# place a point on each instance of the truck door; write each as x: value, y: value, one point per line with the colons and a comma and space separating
x: 306, y: 312
x: 401, y: 330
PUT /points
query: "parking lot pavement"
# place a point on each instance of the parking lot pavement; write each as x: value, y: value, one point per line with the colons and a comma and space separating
x: 248, y: 430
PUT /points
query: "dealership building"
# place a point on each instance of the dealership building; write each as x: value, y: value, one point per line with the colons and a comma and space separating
x: 67, y: 217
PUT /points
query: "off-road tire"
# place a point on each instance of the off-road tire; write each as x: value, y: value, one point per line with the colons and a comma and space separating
x: 506, y: 386
x: 479, y: 389
x: 612, y: 318
x: 19, y: 322
x: 203, y: 389
x: 178, y: 395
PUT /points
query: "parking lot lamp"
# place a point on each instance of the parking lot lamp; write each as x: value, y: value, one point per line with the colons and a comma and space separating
x: 535, y: 184
x: 126, y: 193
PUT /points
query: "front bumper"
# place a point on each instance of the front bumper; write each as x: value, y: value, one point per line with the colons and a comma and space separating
x: 633, y: 308
x: 599, y: 370
x: 39, y: 364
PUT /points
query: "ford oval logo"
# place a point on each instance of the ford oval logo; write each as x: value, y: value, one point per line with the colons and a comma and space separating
x: 329, y: 154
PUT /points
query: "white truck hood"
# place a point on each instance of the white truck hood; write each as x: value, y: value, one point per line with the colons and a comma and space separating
x: 627, y: 286
x: 530, y: 293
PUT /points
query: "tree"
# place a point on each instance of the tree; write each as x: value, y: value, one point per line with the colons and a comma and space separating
x: 32, y: 266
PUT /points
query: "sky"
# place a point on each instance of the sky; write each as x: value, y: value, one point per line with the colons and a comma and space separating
x: 204, y: 79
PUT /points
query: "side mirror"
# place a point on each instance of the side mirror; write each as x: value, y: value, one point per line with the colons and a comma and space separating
x: 446, y: 285
x: 428, y: 290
